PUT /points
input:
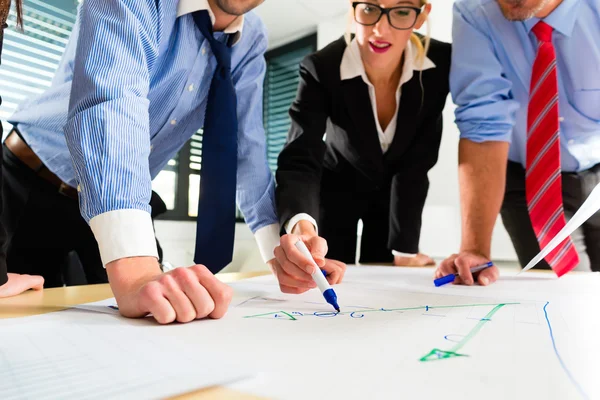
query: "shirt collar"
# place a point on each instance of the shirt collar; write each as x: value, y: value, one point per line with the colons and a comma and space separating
x: 190, y: 6
x: 562, y: 19
x: 352, y: 65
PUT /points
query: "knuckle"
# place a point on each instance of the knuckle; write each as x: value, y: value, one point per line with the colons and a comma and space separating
x: 151, y: 290
x: 167, y: 281
x: 200, y: 270
x: 204, y: 308
x: 223, y: 295
x: 180, y: 273
x: 187, y: 316
x: 164, y: 318
x: 279, y: 254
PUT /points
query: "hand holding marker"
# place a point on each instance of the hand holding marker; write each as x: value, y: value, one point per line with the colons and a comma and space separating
x: 450, y: 278
x: 319, y: 277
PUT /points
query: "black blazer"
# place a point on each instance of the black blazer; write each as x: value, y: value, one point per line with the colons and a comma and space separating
x: 350, y: 158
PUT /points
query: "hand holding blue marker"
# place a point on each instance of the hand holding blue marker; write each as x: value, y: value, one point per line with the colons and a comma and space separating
x: 450, y: 278
x: 319, y: 277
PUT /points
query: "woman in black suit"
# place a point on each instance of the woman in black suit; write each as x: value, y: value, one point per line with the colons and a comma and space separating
x: 378, y: 100
x: 11, y: 284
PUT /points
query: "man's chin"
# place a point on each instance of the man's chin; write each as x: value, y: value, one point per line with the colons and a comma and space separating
x: 518, y: 10
x: 237, y: 7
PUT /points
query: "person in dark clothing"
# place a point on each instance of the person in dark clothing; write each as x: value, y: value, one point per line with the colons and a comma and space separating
x: 11, y: 284
x: 365, y: 130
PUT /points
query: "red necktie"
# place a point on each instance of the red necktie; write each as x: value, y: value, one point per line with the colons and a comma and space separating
x: 543, y: 177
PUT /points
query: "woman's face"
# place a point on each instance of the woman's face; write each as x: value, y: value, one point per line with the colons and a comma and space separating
x: 382, y: 44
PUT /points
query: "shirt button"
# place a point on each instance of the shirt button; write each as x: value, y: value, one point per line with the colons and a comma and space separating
x: 79, y: 188
x: 173, y: 122
x: 572, y: 141
x: 151, y: 147
x: 191, y: 88
x: 561, y: 119
x: 204, y: 51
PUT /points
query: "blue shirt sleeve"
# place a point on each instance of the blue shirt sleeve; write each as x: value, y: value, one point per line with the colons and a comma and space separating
x: 485, y: 106
x: 107, y: 129
x: 255, y: 182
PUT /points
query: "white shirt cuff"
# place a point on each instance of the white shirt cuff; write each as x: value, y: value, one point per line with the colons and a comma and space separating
x: 289, y: 226
x: 399, y: 254
x: 267, y: 239
x: 124, y: 234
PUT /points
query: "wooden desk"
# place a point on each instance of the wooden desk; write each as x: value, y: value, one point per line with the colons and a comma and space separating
x: 49, y: 300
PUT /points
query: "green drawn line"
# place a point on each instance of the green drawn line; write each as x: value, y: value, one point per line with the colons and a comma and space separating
x: 386, y: 310
x: 289, y: 315
x: 437, y: 354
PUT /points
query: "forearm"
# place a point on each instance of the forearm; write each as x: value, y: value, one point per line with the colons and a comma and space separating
x: 482, y: 177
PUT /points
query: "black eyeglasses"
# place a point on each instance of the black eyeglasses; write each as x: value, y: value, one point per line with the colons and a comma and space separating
x: 401, y: 18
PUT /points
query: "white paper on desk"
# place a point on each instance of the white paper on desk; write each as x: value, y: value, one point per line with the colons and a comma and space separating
x: 370, y: 353
x: 77, y: 354
x: 587, y: 209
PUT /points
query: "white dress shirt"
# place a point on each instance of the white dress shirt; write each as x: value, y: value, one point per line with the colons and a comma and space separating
x: 351, y: 67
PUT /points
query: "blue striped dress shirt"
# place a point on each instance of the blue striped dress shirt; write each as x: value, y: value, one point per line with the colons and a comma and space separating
x: 130, y: 91
x: 492, y: 61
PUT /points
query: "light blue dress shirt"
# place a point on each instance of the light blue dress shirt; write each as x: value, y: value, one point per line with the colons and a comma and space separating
x: 130, y: 91
x: 492, y: 61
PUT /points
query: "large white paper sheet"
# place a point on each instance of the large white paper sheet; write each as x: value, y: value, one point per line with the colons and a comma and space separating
x: 528, y: 337
x: 87, y: 355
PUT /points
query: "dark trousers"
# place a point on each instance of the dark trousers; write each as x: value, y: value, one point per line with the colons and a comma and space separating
x: 576, y: 187
x: 3, y: 244
x: 338, y: 222
x: 43, y: 227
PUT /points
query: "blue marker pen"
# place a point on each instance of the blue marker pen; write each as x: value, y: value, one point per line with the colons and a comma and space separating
x: 450, y: 278
x: 319, y: 277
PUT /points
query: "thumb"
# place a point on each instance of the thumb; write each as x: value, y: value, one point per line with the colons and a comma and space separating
x: 36, y: 282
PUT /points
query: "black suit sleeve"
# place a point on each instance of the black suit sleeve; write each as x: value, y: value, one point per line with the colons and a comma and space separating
x: 410, y: 186
x: 300, y: 163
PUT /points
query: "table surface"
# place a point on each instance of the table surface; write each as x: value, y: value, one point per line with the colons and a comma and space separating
x: 49, y: 300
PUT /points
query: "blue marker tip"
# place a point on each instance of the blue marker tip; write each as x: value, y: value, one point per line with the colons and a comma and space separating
x: 444, y: 280
x: 331, y: 298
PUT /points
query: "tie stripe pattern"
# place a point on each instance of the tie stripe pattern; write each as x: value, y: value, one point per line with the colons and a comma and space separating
x: 543, y: 173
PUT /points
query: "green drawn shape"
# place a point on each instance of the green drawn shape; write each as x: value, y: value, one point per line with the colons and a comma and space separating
x: 453, y: 351
x: 275, y: 314
x: 437, y: 354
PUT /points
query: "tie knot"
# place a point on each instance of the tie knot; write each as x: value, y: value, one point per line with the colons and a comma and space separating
x: 543, y: 32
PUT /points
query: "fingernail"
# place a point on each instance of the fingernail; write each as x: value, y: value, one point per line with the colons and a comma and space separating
x: 310, y: 269
x: 485, y: 281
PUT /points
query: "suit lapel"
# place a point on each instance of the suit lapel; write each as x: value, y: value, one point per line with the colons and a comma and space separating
x: 360, y: 112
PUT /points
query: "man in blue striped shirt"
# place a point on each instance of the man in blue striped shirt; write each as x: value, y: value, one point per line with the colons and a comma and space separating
x: 496, y: 46
x: 129, y: 93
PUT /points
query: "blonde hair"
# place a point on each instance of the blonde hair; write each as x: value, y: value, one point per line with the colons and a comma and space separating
x: 421, y: 44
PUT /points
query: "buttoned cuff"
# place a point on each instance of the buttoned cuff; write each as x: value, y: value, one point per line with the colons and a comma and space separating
x: 124, y: 234
x: 267, y: 239
x: 400, y: 254
x: 291, y: 224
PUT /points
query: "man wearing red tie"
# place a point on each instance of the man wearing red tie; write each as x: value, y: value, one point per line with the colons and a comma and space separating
x: 525, y: 80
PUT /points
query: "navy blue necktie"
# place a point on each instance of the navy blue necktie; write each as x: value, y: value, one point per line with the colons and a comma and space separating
x: 215, y: 227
